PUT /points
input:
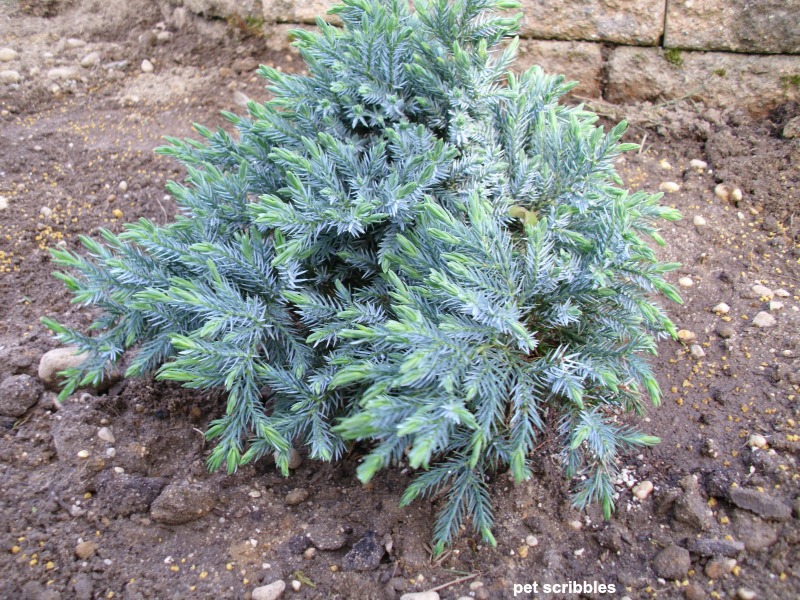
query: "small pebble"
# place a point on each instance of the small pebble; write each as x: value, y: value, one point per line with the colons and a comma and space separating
x: 764, y: 319
x: 725, y: 331
x: 723, y: 192
x: 736, y: 195
x: 775, y: 305
x: 104, y: 433
x: 427, y: 595
x: 757, y: 441
x: 697, y: 351
x: 721, y: 309
x: 85, y: 550
x: 575, y: 524
x: 3, y: 203
x: 123, y: 186
x: 781, y: 293
x: 8, y: 54
x: 83, y: 454
x: 698, y: 164
x: 296, y: 585
x: 295, y: 460
x: 686, y: 282
x: 147, y: 66
x: 117, y: 213
x: 643, y: 489
x: 90, y: 60
x: 763, y: 291
x: 10, y: 77
x: 664, y: 164
x: 119, y: 470
x: 46, y: 211
x: 685, y: 335
x: 669, y: 187
x: 111, y: 452
x: 744, y: 593
x: 296, y: 496
x: 310, y: 553
x: 699, y: 221
x: 532, y: 541
x: 273, y: 591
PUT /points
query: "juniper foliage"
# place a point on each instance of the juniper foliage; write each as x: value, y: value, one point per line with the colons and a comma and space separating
x: 408, y: 246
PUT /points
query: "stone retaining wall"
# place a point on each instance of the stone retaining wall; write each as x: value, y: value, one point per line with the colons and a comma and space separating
x: 723, y: 52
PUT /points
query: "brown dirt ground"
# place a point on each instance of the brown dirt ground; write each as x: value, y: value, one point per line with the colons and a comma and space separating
x: 68, y: 149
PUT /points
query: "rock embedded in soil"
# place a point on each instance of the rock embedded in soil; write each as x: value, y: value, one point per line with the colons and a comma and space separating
x: 669, y: 186
x: 296, y: 496
x: 427, y: 595
x: 690, y: 508
x: 183, y: 502
x: 85, y: 550
x: 64, y: 74
x: 672, y: 563
x: 760, y: 503
x: 18, y: 394
x: 699, y: 221
x: 124, y: 495
x: 715, y: 547
x: 697, y: 351
x: 147, y: 66
x: 762, y: 291
x: 272, y: 591
x: 105, y: 434
x: 326, y: 537
x: 764, y: 319
x: 718, y: 568
x: 90, y: 60
x: 295, y: 460
x: 685, y: 335
x: 725, y: 331
x: 365, y: 555
x: 685, y: 282
x: 698, y: 164
x: 642, y: 489
x: 757, y: 441
x: 756, y: 534
x: 56, y: 360
x: 721, y: 309
x: 10, y: 76
x: 8, y: 54
x: 694, y: 591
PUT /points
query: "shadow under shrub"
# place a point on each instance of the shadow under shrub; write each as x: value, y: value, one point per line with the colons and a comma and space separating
x: 408, y: 246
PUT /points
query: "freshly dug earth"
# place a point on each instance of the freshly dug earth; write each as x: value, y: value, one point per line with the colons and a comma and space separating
x: 147, y: 520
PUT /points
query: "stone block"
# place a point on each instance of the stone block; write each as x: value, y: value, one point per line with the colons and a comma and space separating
x: 638, y: 22
x: 757, y: 83
x: 766, y: 26
x: 578, y: 61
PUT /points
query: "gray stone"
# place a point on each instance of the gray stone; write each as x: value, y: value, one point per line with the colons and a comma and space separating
x: 326, y: 537
x: 690, y: 508
x: 64, y: 74
x: 769, y: 26
x: 578, y: 61
x: 183, y: 502
x: 638, y: 22
x: 760, y: 503
x: 9, y: 77
x: 725, y: 331
x: 82, y: 587
x: 714, y: 547
x: 672, y: 563
x: 764, y: 319
x: 18, y: 394
x: 365, y: 555
x: 757, y: 534
x: 757, y: 83
x: 124, y: 495
x: 272, y: 591
x: 90, y: 60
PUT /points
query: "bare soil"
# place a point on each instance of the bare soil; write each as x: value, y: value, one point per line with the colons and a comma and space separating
x: 66, y: 144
